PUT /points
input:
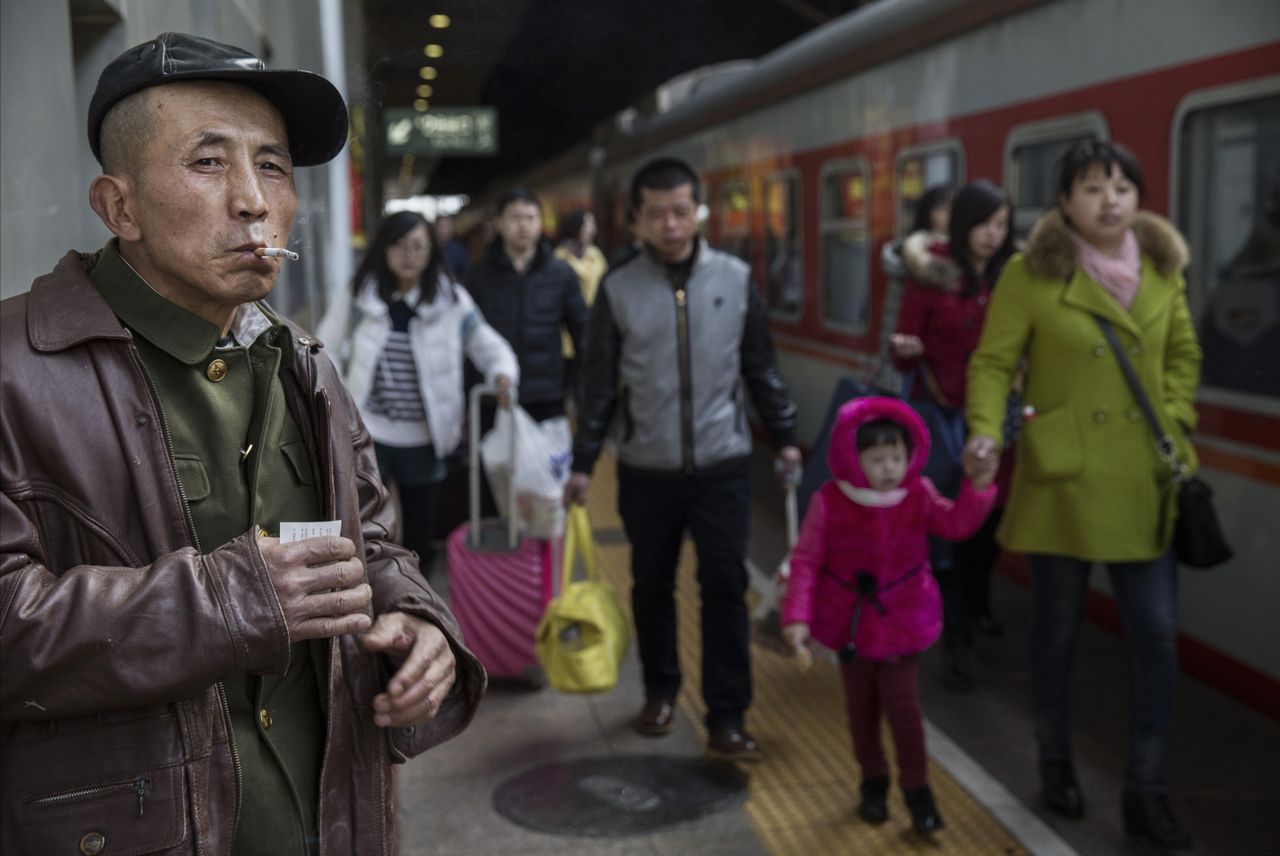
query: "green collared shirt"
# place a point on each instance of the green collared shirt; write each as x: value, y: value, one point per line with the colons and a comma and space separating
x: 241, y: 464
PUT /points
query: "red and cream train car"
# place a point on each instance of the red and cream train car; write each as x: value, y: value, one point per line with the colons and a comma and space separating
x: 814, y: 155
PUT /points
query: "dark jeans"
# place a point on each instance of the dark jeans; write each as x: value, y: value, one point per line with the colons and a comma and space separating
x: 418, y: 475
x: 715, y: 509
x: 966, y: 585
x: 1147, y: 596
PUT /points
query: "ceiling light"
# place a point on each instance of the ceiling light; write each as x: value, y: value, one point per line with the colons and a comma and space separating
x: 433, y: 50
x: 440, y: 22
x: 424, y: 91
x: 427, y: 73
x: 420, y: 105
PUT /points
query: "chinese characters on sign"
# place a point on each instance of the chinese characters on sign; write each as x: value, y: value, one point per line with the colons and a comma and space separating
x: 442, y: 131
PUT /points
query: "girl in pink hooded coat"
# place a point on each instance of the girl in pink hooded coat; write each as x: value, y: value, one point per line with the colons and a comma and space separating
x: 861, y: 585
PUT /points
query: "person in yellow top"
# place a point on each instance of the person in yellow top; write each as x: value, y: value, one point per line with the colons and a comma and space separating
x: 577, y: 248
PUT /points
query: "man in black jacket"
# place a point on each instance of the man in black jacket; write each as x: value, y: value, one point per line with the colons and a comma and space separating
x: 526, y: 294
x: 675, y: 332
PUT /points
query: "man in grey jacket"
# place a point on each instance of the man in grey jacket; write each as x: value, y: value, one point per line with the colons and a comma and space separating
x: 674, y: 332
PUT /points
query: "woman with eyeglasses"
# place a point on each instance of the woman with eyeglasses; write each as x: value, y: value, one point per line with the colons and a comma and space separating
x: 412, y: 327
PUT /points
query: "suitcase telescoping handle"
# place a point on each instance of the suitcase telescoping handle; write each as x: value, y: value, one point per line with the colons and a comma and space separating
x: 474, y: 537
x: 793, y: 517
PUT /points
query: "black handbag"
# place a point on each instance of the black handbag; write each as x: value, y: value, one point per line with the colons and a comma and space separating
x: 1197, y: 535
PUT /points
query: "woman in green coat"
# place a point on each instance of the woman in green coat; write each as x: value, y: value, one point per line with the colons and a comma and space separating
x: 1089, y: 485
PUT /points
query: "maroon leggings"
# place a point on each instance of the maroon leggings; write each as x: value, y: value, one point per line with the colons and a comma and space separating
x: 870, y: 688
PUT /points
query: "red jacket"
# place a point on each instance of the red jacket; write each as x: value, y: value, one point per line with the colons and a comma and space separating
x: 948, y: 323
x: 841, y: 537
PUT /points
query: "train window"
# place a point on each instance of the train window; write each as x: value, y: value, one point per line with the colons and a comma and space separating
x: 784, y: 276
x: 1031, y: 155
x: 735, y: 219
x: 920, y: 168
x: 1228, y: 206
x: 845, y: 246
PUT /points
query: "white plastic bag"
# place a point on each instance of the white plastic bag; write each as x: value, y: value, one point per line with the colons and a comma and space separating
x: 543, y: 453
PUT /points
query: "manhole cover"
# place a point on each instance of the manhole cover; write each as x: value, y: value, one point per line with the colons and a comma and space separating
x: 619, y: 795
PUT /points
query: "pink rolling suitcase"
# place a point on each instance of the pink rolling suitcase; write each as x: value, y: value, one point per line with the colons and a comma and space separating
x: 499, y: 583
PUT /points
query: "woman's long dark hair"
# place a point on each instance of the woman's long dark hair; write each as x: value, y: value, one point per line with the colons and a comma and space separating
x: 393, y: 228
x: 934, y: 197
x: 974, y: 205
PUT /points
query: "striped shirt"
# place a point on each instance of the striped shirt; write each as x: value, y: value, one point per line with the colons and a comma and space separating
x: 396, y: 394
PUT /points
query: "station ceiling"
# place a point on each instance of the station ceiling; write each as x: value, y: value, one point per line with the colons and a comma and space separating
x: 554, y: 69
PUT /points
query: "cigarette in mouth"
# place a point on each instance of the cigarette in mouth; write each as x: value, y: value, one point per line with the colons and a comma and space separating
x: 276, y: 253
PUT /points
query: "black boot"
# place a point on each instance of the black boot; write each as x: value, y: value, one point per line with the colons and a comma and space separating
x: 1061, y: 792
x: 874, y: 807
x: 924, y: 814
x: 1151, y: 817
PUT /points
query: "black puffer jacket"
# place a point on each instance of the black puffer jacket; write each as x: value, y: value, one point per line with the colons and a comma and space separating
x: 527, y: 309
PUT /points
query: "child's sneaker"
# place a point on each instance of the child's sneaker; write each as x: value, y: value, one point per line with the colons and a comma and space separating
x: 924, y: 814
x: 874, y: 807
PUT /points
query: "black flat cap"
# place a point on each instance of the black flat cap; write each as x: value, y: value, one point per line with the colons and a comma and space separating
x: 315, y: 116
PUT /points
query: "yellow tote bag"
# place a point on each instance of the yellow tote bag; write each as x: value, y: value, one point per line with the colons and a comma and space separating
x: 584, y: 633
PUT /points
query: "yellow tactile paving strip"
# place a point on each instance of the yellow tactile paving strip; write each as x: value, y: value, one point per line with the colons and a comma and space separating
x: 802, y: 796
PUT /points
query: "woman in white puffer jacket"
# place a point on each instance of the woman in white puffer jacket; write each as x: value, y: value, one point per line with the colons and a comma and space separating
x: 411, y: 328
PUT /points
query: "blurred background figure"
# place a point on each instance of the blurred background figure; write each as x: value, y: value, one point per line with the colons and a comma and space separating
x: 929, y: 224
x: 528, y: 295
x: 948, y: 288
x: 578, y: 250
x: 453, y: 250
x: 403, y: 348
x: 1089, y: 485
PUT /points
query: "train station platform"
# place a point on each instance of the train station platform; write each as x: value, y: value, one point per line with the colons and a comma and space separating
x: 541, y: 772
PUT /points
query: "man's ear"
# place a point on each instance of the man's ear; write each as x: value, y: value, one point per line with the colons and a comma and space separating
x: 111, y: 197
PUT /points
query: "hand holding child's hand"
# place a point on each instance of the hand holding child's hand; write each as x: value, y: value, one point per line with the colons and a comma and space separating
x: 796, y: 635
x: 981, y: 460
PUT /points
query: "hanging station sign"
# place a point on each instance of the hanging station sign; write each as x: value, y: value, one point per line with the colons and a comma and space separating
x: 454, y: 131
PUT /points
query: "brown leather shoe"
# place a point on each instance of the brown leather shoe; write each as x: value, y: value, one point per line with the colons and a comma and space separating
x: 657, y: 718
x: 732, y: 744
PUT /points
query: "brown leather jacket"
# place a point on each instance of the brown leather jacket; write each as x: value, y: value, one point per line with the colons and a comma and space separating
x: 115, y: 633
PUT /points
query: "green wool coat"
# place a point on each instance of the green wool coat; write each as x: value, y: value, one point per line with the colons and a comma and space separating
x: 1088, y: 482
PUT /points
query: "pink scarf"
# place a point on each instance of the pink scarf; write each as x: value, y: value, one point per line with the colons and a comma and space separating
x: 1120, y: 274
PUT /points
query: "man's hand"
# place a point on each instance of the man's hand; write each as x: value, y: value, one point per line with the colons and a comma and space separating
x: 575, y: 491
x: 905, y: 347
x: 425, y: 673
x: 981, y: 460
x: 503, y: 385
x: 320, y: 585
x: 787, y: 466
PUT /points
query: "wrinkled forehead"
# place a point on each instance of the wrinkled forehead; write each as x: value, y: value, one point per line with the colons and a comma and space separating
x: 197, y: 107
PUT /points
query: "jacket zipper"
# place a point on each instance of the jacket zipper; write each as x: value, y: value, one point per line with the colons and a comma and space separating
x: 235, y: 757
x: 686, y: 382
x: 140, y: 786
x: 322, y: 462
x: 195, y: 542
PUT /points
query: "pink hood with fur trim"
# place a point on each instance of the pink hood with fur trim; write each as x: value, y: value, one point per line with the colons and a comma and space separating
x: 842, y: 454
x: 843, y: 539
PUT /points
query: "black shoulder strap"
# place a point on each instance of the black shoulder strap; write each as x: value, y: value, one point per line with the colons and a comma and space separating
x: 1164, y: 442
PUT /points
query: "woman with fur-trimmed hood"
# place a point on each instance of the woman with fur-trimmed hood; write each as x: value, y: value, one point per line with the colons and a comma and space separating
x: 1089, y: 485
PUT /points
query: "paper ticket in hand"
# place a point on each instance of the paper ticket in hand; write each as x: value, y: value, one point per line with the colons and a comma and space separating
x: 290, y: 532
